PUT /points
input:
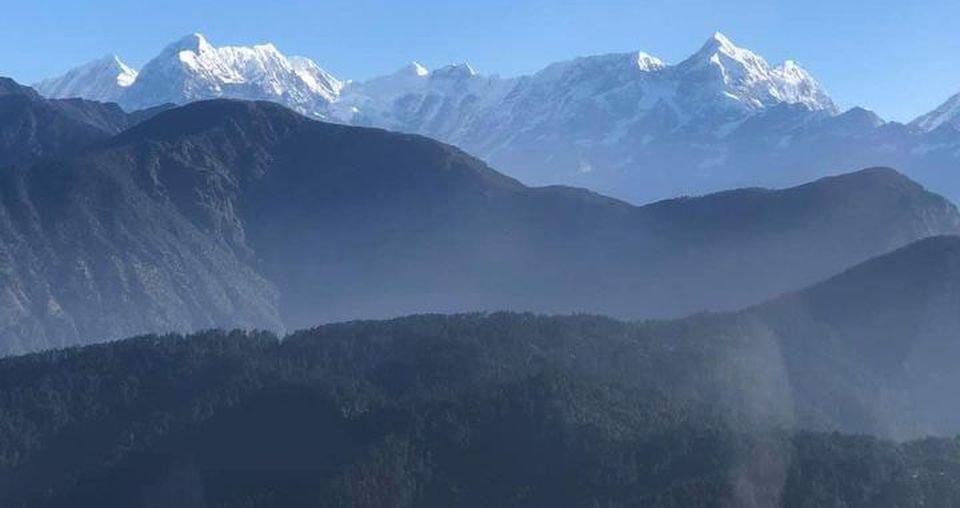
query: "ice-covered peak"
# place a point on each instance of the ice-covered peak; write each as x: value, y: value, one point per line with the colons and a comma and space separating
x: 319, y: 80
x: 103, y: 79
x: 648, y: 62
x: 747, y: 79
x: 719, y: 51
x: 792, y: 71
x: 266, y: 47
x: 192, y: 68
x: 947, y: 113
x: 417, y: 69
x: 719, y: 42
x: 195, y: 42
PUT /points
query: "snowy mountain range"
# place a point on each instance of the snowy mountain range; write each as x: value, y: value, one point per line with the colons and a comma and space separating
x: 192, y: 69
x: 625, y: 124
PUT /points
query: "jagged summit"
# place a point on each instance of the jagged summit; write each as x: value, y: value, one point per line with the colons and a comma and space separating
x: 585, y: 121
x: 460, y: 70
x: 947, y: 114
x: 191, y: 42
x: 719, y: 42
x: 747, y: 77
x: 648, y: 62
x: 192, y: 68
x: 719, y: 50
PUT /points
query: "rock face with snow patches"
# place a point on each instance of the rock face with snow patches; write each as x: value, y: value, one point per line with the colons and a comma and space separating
x: 947, y: 114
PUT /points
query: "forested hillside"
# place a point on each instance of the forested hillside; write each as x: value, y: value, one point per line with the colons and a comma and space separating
x: 468, y: 410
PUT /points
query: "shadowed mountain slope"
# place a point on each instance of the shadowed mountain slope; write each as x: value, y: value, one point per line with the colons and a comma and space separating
x: 229, y: 213
x: 507, y: 409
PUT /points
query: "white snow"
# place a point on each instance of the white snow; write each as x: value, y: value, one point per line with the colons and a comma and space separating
x: 102, y: 80
x: 947, y: 114
x: 613, y: 101
x: 192, y: 68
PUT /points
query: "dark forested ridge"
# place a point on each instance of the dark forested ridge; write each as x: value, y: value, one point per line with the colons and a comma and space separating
x: 871, y: 350
x: 241, y: 214
x: 467, y: 410
x: 32, y: 127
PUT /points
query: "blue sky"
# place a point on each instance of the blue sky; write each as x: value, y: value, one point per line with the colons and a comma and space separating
x: 897, y: 58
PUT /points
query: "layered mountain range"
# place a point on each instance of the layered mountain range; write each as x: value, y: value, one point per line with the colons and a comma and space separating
x: 231, y: 213
x: 757, y: 334
x: 628, y: 125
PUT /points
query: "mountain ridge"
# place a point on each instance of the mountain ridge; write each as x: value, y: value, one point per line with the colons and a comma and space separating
x: 285, y: 221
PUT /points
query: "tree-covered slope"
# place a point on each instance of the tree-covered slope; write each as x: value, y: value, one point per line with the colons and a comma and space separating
x: 466, y: 410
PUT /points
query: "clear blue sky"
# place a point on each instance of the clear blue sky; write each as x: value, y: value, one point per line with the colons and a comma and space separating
x: 896, y: 57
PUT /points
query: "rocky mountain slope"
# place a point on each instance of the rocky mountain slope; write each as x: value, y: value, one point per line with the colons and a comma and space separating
x: 32, y: 127
x: 229, y: 213
x: 393, y: 224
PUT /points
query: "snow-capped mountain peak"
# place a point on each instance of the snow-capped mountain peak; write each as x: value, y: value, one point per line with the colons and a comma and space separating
x: 747, y: 78
x: 648, y: 62
x: 733, y: 62
x: 195, y: 42
x: 718, y: 42
x: 320, y: 81
x: 947, y: 113
x: 721, y: 53
x: 192, y: 68
x: 103, y: 79
x: 600, y: 115
x: 418, y: 69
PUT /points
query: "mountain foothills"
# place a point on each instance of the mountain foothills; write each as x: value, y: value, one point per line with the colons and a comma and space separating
x: 246, y: 214
x: 722, y: 410
x: 627, y: 125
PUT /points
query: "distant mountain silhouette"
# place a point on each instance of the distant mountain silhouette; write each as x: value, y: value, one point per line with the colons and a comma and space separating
x: 229, y: 213
x: 32, y: 127
x: 887, y: 331
x: 352, y: 222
